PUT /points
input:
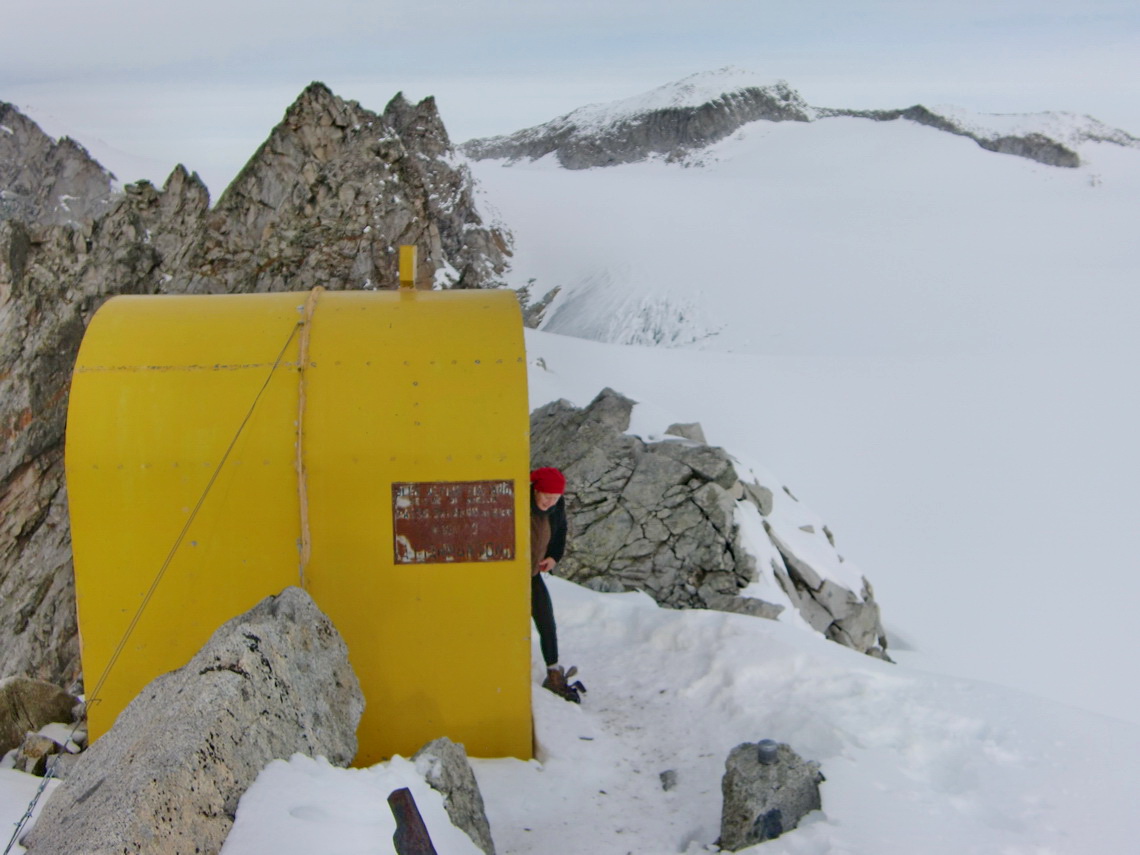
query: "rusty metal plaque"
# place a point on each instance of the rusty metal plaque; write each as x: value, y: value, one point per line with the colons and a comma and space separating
x: 437, y: 522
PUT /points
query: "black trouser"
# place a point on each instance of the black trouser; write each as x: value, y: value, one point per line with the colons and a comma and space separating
x: 543, y: 613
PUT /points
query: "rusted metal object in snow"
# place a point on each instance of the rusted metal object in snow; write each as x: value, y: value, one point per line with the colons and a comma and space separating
x: 411, y: 837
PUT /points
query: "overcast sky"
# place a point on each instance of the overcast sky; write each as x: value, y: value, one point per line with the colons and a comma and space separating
x: 202, y: 83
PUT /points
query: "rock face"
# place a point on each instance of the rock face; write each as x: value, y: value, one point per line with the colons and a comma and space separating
x: 661, y: 517
x: 44, y: 182
x: 1034, y: 146
x: 325, y: 201
x: 589, y: 137
x: 445, y: 767
x: 827, y: 606
x: 167, y: 777
x: 676, y: 121
x: 27, y: 705
x: 767, y: 790
x: 330, y: 196
x: 656, y: 517
x: 34, y: 752
x: 39, y: 336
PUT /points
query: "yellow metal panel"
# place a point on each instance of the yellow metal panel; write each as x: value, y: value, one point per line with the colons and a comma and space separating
x: 155, y: 402
x: 407, y: 267
x: 398, y: 387
x: 433, y: 393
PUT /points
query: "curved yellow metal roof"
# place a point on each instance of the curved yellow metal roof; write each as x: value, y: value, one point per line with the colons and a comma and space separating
x: 247, y: 443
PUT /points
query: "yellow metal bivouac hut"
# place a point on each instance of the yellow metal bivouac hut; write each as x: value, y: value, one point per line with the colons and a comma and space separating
x: 371, y: 447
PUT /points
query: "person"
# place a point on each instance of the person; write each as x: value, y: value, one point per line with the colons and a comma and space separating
x: 547, y: 545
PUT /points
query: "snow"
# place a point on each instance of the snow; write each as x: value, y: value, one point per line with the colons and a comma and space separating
x: 930, y: 342
x: 307, y: 805
x: 914, y: 761
x: 974, y: 767
x: 17, y: 792
x: 838, y: 237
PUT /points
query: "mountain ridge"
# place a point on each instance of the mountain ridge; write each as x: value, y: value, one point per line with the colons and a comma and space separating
x: 677, y: 120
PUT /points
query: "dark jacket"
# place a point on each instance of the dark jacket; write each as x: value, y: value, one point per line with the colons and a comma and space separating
x: 557, y: 516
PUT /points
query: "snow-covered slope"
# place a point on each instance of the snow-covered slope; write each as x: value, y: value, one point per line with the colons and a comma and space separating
x: 839, y: 237
x: 692, y: 92
x: 931, y: 343
x: 915, y: 763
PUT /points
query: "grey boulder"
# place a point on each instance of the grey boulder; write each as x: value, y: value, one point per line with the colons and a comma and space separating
x: 34, y: 755
x: 168, y: 775
x: 27, y: 705
x: 767, y: 789
x: 445, y: 767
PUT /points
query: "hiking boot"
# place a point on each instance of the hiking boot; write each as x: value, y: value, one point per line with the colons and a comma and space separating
x: 577, y: 684
x: 556, y: 682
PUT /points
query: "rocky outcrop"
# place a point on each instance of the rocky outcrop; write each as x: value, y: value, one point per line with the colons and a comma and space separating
x: 325, y: 201
x: 44, y: 182
x: 51, y: 281
x: 27, y: 705
x: 445, y: 767
x: 470, y: 255
x: 655, y: 517
x: 1031, y: 145
x: 604, y: 137
x: 330, y: 196
x: 676, y: 121
x: 34, y: 754
x: 40, y: 329
x: 664, y: 517
x: 841, y: 614
x: 167, y: 777
x: 767, y: 790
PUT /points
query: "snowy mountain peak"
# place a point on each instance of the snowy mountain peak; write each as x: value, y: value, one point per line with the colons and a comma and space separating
x: 689, y: 93
x: 669, y: 121
x: 679, y: 119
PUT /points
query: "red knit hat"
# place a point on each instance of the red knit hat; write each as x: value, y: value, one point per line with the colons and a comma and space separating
x: 548, y: 480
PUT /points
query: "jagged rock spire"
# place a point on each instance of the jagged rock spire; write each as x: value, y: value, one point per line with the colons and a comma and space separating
x: 45, y: 182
